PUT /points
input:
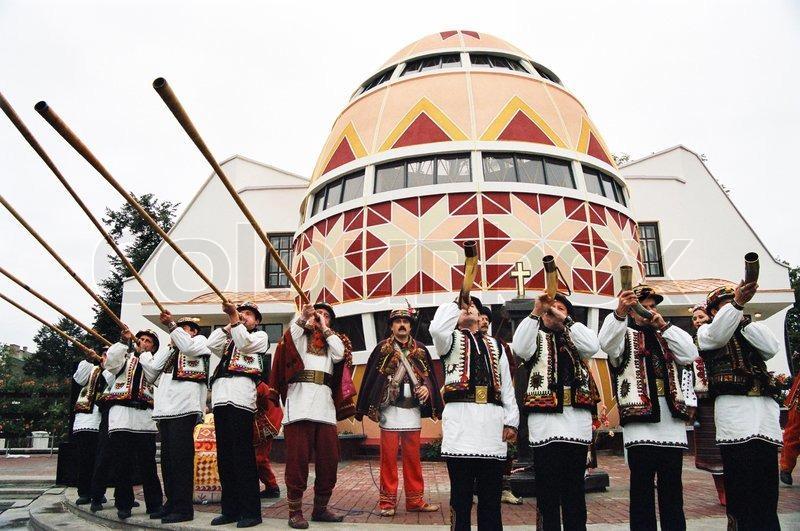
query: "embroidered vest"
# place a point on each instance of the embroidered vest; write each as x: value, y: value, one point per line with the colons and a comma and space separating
x: 460, y: 375
x: 186, y: 369
x: 635, y: 381
x: 738, y: 369
x: 700, y: 378
x: 545, y: 389
x: 89, y: 392
x: 234, y: 363
x: 130, y: 388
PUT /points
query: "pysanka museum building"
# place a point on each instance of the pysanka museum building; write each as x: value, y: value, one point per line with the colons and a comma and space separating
x: 460, y: 136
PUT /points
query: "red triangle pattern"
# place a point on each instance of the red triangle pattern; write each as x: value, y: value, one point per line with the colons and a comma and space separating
x: 354, y: 219
x: 596, y: 150
x: 470, y: 232
x: 422, y: 130
x: 497, y: 276
x: 373, y: 241
x: 597, y: 214
x: 430, y: 285
x: 493, y: 246
x: 575, y: 209
x: 373, y: 254
x: 379, y: 284
x: 536, y: 281
x: 496, y: 203
x: 427, y: 202
x: 411, y: 287
x: 582, y: 280
x: 474, y: 34
x: 356, y: 246
x: 409, y: 203
x: 357, y: 259
x: 379, y: 214
x: 522, y: 129
x: 546, y: 202
x: 605, y: 283
x: 530, y: 200
x: 490, y: 230
x: 342, y: 155
x: 464, y: 204
x: 326, y: 296
x: 447, y: 34
x: 351, y: 289
x: 457, y: 276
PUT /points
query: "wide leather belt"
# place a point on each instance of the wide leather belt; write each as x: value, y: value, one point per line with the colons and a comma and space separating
x: 661, y: 387
x: 315, y: 377
x: 481, y: 396
x: 567, y: 396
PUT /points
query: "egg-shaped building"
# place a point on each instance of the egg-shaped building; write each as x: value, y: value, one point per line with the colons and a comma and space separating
x: 460, y: 136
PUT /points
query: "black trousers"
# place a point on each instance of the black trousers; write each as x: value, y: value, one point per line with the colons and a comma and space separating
x: 664, y: 465
x: 101, y: 471
x: 236, y: 461
x: 129, y: 451
x: 560, y: 494
x: 750, y: 472
x: 177, y: 463
x: 86, y: 447
x: 486, y: 475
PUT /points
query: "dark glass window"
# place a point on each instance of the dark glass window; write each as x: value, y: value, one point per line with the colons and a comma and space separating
x: 600, y: 183
x: 651, y: 249
x: 353, y: 328
x: 334, y: 193
x: 509, y: 168
x: 274, y: 331
x: 353, y: 187
x: 319, y: 201
x: 547, y: 74
x: 377, y: 80
x: 495, y: 61
x: 441, y: 169
x: 434, y: 62
x: 283, y: 244
x: 338, y: 191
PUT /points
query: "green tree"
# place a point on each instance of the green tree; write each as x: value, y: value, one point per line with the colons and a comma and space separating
x: 54, y: 356
x: 125, y: 223
x: 792, y: 324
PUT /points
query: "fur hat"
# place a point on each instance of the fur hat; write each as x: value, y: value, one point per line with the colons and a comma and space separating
x: 152, y: 335
x: 715, y: 297
x: 328, y: 308
x: 191, y: 322
x: 247, y: 305
x: 644, y: 291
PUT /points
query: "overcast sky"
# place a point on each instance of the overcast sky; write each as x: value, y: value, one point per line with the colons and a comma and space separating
x: 267, y: 79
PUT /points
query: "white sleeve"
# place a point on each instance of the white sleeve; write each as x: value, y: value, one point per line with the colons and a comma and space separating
x: 524, y: 340
x: 335, y: 348
x: 148, y: 363
x: 217, y: 340
x: 249, y: 342
x: 510, y: 409
x: 762, y: 338
x: 612, y: 338
x: 82, y: 372
x: 585, y: 340
x: 719, y: 331
x: 296, y: 330
x: 109, y: 377
x: 681, y: 344
x: 115, y: 357
x: 194, y: 347
x: 442, y: 325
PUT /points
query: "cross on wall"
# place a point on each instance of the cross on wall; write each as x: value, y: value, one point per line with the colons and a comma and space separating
x: 519, y: 274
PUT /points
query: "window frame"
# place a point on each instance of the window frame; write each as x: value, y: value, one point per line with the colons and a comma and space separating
x: 434, y: 159
x: 341, y: 180
x: 418, y: 62
x: 512, y: 64
x: 617, y: 189
x: 267, y: 274
x: 642, y: 246
x: 543, y: 159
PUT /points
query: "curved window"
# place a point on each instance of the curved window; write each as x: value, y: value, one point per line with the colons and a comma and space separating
x: 603, y: 184
x: 546, y: 73
x: 380, y: 79
x: 409, y: 173
x: 519, y: 168
x: 432, y: 62
x: 483, y: 60
x: 345, y: 188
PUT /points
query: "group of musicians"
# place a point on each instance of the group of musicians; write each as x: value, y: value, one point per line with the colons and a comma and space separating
x: 139, y: 390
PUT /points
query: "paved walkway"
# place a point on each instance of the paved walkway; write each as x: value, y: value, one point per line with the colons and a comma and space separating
x: 357, y: 495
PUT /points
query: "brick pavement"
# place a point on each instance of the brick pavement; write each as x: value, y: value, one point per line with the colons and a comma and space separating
x: 355, y: 493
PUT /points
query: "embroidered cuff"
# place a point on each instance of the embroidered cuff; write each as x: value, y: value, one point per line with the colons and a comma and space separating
x: 736, y: 305
x: 664, y: 328
x: 301, y: 322
x: 328, y: 333
x: 535, y: 317
x: 617, y: 317
x: 172, y: 326
x: 568, y: 322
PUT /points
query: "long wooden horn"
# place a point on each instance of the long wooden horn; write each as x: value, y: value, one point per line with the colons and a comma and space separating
x: 63, y: 264
x: 12, y: 115
x: 162, y: 87
x: 86, y: 350
x: 72, y: 139
x: 94, y: 333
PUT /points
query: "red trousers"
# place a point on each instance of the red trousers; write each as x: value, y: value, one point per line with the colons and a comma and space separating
x: 413, y: 484
x: 265, y: 473
x: 302, y: 439
x: 791, y: 440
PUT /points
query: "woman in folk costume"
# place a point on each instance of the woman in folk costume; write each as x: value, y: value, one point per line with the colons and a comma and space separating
x: 398, y: 390
x: 561, y: 398
x: 266, y: 426
x: 240, y: 347
x: 180, y: 400
x: 746, y: 412
x: 645, y: 357
x: 791, y: 432
x: 706, y: 456
x: 480, y: 415
x: 131, y: 428
x: 86, y: 425
x: 310, y: 374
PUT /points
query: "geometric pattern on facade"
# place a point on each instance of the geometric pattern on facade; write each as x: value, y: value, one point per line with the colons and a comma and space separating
x: 414, y: 245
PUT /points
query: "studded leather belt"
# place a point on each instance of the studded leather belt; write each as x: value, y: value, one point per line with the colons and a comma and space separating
x: 661, y: 387
x: 567, y: 396
x: 315, y: 377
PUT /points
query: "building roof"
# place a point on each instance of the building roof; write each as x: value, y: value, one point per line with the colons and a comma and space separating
x: 272, y: 295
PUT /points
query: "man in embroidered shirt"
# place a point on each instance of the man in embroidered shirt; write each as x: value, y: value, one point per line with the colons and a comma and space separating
x: 561, y: 398
x: 746, y: 413
x: 309, y: 423
x: 480, y: 414
x: 644, y: 355
x: 86, y: 425
x: 178, y: 403
x: 131, y: 429
x: 399, y: 388
x: 240, y: 347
